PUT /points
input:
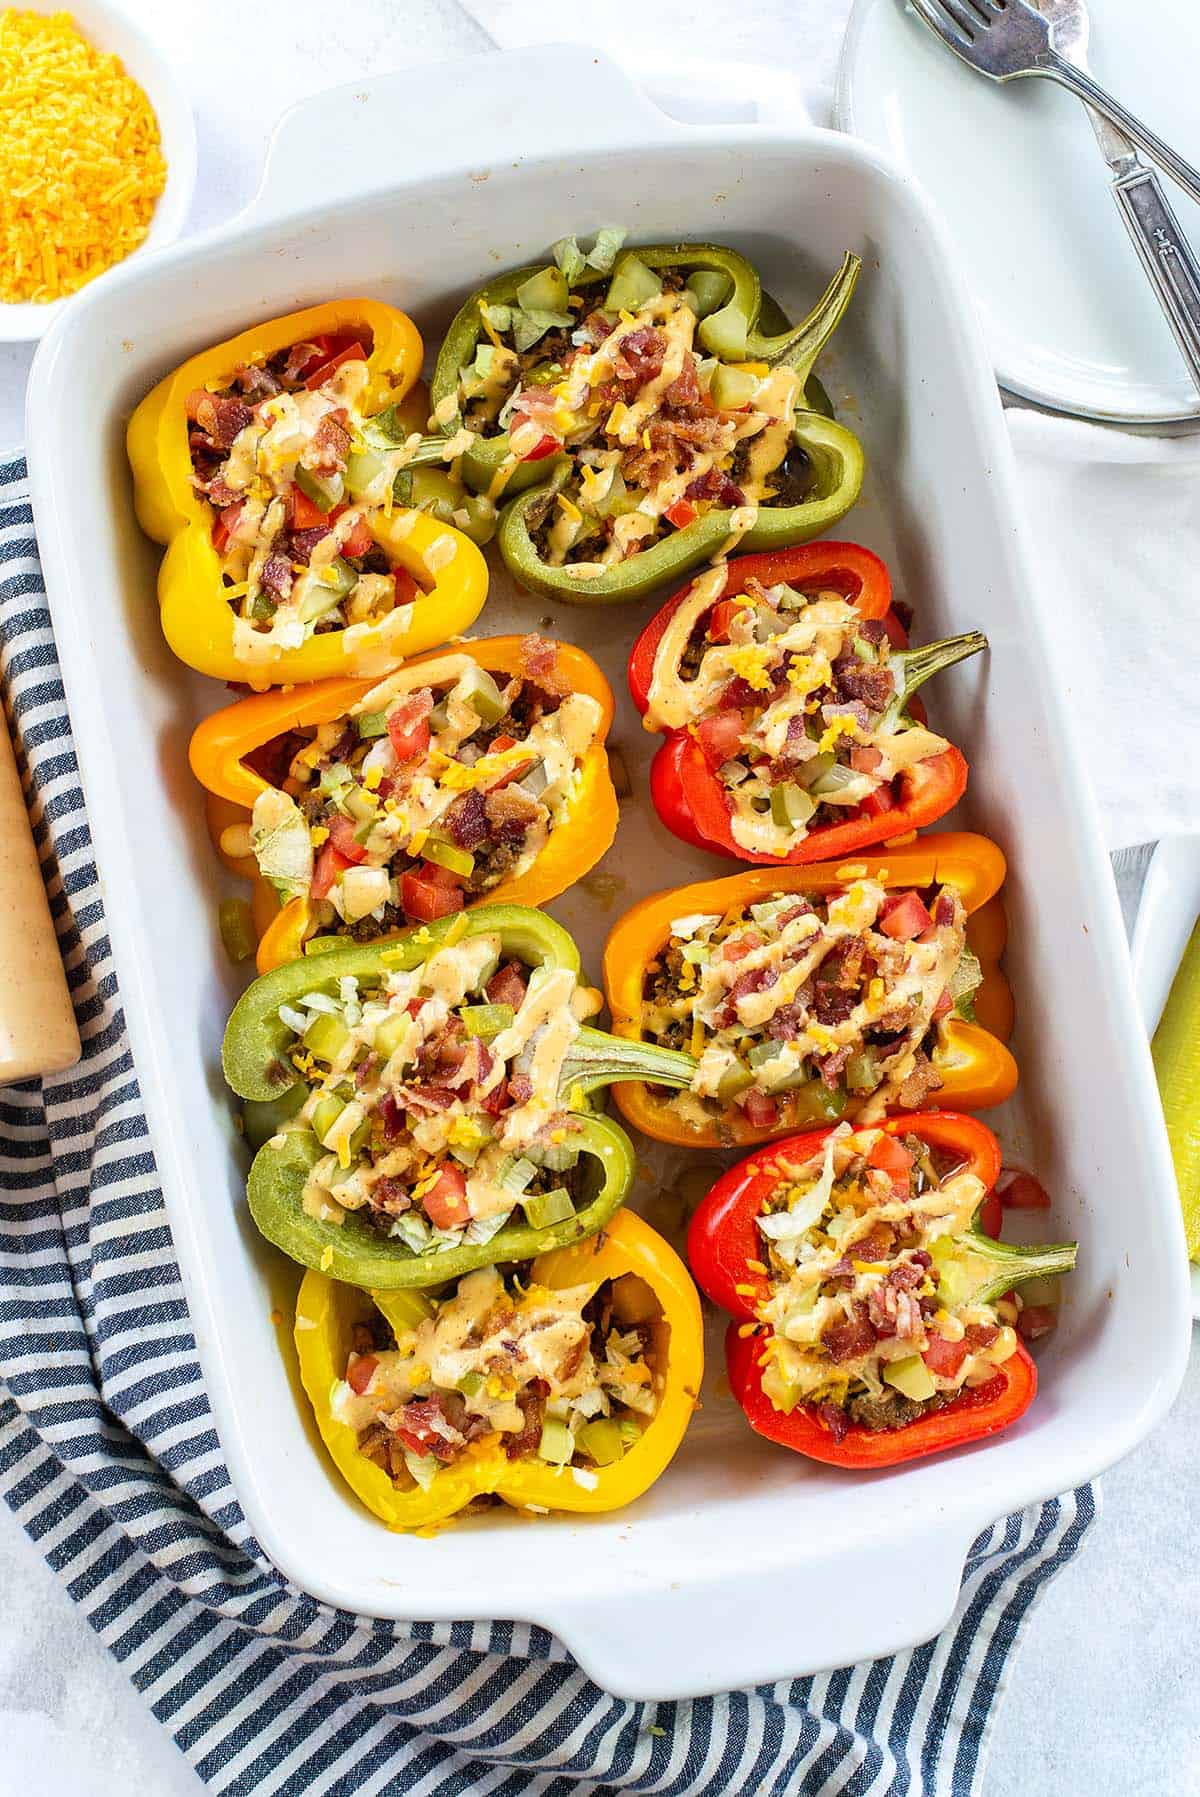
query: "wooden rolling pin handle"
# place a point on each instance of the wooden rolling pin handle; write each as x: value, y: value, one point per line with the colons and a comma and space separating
x: 37, y: 1022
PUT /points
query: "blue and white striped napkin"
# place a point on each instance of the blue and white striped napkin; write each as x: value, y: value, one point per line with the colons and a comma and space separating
x: 109, y: 1460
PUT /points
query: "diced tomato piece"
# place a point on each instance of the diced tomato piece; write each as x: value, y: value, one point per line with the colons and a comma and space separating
x: 944, y: 1358
x: 305, y: 515
x: 865, y: 758
x: 1037, y: 1320
x: 507, y: 986
x: 1021, y: 1191
x: 892, y: 1158
x: 720, y: 736
x: 761, y: 1110
x: 720, y: 618
x: 903, y: 916
x: 341, y: 835
x: 446, y: 1202
x: 408, y: 726
x: 740, y: 946
x: 991, y: 1215
x: 407, y: 590
x: 944, y: 1004
x: 425, y: 899
x: 545, y: 445
x: 359, y: 541
x: 360, y: 1373
x: 224, y: 525
x: 681, y: 514
x: 330, y: 863
x: 882, y: 799
x: 353, y: 352
x: 502, y: 742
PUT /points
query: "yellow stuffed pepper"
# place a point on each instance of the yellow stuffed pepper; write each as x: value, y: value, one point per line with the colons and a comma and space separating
x: 568, y: 1390
x: 267, y: 466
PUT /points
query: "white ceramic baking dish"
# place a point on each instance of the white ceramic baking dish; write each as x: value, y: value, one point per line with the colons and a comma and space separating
x: 744, y: 1563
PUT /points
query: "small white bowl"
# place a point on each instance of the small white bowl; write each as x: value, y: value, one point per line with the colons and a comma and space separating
x: 110, y: 30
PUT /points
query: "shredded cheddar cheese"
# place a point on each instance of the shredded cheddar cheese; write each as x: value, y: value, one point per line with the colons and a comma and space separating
x: 81, y: 165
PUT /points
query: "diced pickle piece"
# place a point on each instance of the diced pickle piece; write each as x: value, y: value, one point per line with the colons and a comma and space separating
x: 601, y: 1441
x: 557, y: 1444
x: 911, y: 1377
x: 544, y: 1208
x: 326, y: 1037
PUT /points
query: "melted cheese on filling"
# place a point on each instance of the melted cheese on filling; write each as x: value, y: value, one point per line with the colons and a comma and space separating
x: 498, y: 1344
x: 911, y: 973
x: 833, y: 1210
x: 536, y: 1044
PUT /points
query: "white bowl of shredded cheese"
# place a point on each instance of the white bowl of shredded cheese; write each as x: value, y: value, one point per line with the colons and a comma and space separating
x: 46, y: 103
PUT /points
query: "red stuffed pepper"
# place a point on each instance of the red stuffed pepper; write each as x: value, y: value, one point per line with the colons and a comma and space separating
x: 783, y: 684
x: 874, y: 1320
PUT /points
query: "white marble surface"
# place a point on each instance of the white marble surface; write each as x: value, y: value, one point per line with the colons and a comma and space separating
x: 1104, y: 1697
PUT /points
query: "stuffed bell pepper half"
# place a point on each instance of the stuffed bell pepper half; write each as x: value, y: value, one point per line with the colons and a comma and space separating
x: 420, y: 1107
x: 876, y: 1317
x: 268, y: 466
x: 473, y: 772
x: 783, y: 685
x: 807, y: 994
x: 638, y: 412
x: 562, y: 1385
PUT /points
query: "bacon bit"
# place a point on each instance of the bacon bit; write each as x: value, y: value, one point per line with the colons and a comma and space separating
x: 640, y: 355
x: 684, y: 390
x: 520, y: 1088
x: 329, y: 446
x: 496, y: 1100
x: 220, y: 419
x: 466, y: 820
x: 539, y: 658
x: 849, y: 1340
x: 507, y: 986
x: 360, y: 1373
x: 980, y: 1335
x: 835, y: 1420
x: 717, y: 487
x: 426, y: 1429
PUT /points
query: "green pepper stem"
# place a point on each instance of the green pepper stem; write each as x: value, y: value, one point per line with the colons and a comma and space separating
x: 999, y: 1266
x: 913, y: 667
x: 597, y: 1059
x: 800, y: 347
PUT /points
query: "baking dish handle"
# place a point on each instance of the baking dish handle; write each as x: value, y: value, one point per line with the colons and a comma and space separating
x: 461, y: 117
x: 695, y: 1636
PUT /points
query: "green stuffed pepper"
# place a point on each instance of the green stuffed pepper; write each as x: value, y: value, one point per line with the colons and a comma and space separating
x: 633, y: 426
x: 420, y: 1106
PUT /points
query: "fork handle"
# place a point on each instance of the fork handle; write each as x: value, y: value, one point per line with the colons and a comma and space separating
x: 1165, y: 256
x: 1081, y: 83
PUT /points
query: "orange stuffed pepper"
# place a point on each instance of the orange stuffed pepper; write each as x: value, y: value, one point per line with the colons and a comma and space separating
x: 806, y: 994
x: 478, y: 771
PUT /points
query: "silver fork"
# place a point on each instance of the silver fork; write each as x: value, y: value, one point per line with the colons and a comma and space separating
x: 1005, y: 39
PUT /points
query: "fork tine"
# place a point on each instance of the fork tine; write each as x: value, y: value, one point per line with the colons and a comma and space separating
x: 966, y: 17
x: 983, y: 10
x: 935, y: 14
